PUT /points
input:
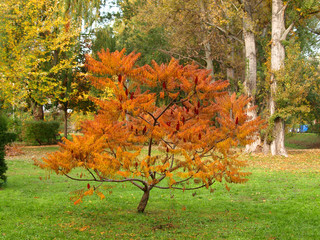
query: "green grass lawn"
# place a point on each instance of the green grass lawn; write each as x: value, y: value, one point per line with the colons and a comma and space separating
x: 303, y: 140
x: 281, y: 200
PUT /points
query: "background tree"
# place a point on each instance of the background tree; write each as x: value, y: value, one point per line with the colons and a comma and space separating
x: 30, y: 37
x: 279, y: 35
x: 195, y: 123
x: 5, y: 138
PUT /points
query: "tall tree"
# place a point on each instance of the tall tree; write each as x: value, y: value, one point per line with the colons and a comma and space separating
x: 30, y: 37
x: 250, y: 82
x: 300, y: 11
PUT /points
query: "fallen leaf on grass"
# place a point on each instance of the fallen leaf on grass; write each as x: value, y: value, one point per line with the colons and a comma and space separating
x: 84, y: 228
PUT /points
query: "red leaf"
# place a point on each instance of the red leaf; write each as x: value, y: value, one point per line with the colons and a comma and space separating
x: 131, y: 95
x: 127, y: 92
x: 196, y: 81
x: 144, y: 130
x: 169, y: 124
x: 78, y: 201
x: 237, y: 120
x: 183, y: 120
x: 198, y: 104
x: 167, y: 149
x: 178, y: 126
x: 199, y: 136
x: 164, y: 85
x: 119, y: 78
x: 88, y: 186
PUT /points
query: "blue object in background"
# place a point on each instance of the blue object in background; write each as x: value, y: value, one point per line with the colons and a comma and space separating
x: 303, y: 128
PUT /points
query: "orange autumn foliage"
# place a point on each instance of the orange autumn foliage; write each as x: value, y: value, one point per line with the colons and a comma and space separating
x: 163, y: 121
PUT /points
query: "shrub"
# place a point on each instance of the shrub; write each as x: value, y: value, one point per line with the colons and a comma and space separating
x: 315, y: 128
x: 41, y: 132
x: 15, y: 126
x: 5, y: 138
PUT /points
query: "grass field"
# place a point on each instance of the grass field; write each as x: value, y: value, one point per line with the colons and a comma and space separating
x: 303, y: 140
x: 281, y: 200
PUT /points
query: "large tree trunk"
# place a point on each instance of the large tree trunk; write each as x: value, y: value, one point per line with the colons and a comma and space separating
x: 144, y: 201
x: 206, y: 41
x: 251, y: 69
x: 277, y: 62
x: 37, y: 111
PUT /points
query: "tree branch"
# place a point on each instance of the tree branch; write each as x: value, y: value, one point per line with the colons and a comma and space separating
x: 226, y: 33
x: 184, y: 189
x: 286, y: 32
x: 181, y: 56
x: 132, y: 180
x: 137, y: 185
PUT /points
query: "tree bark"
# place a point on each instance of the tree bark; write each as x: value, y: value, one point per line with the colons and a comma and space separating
x: 144, y: 201
x: 277, y: 62
x: 206, y: 42
x: 251, y: 69
x: 65, y: 111
x: 37, y: 111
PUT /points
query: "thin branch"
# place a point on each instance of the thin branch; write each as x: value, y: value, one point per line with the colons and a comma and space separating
x: 226, y: 33
x: 257, y: 4
x: 144, y: 120
x: 182, y: 181
x: 281, y: 11
x: 166, y: 142
x: 286, y: 32
x: 137, y: 185
x: 164, y: 110
x: 181, y: 56
x: 109, y: 180
x: 314, y: 31
x: 91, y: 173
x: 152, y: 117
x: 184, y: 189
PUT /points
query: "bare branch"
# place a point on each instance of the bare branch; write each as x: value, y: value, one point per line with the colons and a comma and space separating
x: 286, y: 32
x: 132, y: 180
x: 184, y: 189
x: 225, y: 32
x: 181, y: 56
x: 314, y: 31
x: 137, y: 185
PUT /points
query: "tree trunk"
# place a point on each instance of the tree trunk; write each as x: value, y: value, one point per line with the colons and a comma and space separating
x: 65, y: 111
x: 230, y: 68
x: 277, y: 62
x: 206, y: 42
x: 37, y: 111
x: 251, y: 69
x: 144, y: 201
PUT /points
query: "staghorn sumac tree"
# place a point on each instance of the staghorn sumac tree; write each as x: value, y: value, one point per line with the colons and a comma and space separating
x: 182, y: 127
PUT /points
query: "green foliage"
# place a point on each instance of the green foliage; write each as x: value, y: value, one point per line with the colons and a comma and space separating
x: 5, y: 138
x: 314, y: 128
x: 41, y: 132
x: 15, y: 126
x: 295, y: 81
